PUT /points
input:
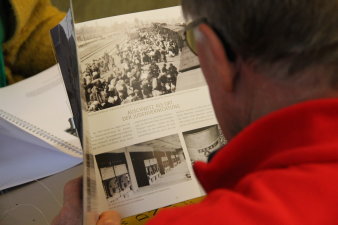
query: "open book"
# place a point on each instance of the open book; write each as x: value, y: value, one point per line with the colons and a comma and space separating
x: 37, y: 138
x: 146, y: 110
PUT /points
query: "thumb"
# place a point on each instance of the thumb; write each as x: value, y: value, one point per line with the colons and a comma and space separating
x: 72, y: 193
x: 109, y: 218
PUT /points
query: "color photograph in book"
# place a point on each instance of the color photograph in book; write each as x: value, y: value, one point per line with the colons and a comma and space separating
x: 133, y: 57
x: 135, y: 171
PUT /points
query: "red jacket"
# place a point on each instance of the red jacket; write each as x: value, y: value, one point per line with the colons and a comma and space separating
x: 282, y: 169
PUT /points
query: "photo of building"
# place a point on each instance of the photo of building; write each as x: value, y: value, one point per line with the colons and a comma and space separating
x: 138, y: 169
x: 203, y: 141
x: 115, y: 175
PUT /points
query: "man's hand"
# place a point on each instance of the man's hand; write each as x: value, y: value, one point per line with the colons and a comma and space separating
x: 71, y: 212
x: 109, y: 218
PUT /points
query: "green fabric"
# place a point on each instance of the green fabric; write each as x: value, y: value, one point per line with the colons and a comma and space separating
x: 2, y: 63
x: 2, y: 39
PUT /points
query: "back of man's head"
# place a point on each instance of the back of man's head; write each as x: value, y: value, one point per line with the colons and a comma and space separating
x: 297, y: 34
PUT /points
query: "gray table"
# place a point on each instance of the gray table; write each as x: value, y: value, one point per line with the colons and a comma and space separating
x: 37, y: 202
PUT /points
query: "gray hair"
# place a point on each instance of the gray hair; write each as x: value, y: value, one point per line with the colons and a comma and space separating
x: 302, y: 33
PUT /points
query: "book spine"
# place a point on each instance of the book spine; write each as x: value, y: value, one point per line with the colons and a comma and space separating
x: 40, y: 133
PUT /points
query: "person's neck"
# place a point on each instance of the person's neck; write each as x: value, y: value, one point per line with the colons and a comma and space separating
x: 264, y: 94
x: 281, y: 94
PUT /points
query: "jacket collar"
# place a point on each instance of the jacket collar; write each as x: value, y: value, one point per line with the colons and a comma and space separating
x: 302, y: 133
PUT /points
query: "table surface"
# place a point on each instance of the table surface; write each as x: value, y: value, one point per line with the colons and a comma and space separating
x: 37, y: 202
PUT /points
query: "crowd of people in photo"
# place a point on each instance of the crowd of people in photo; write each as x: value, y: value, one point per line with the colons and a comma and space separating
x: 136, y: 69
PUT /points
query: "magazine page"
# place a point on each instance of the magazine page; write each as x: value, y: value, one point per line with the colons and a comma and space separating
x: 64, y: 44
x: 146, y: 110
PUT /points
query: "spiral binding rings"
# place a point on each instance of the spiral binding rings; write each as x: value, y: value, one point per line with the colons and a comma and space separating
x: 39, y: 132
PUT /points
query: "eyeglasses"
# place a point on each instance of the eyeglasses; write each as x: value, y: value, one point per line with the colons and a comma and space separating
x: 191, y: 40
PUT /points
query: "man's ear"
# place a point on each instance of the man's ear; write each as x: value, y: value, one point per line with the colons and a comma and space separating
x: 213, y: 58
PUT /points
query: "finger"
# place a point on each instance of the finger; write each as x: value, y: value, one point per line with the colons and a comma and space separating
x: 72, y: 192
x: 109, y: 218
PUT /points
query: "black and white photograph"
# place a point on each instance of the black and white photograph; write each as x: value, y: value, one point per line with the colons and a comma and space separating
x: 63, y: 38
x: 142, y: 168
x: 134, y: 57
x: 203, y: 141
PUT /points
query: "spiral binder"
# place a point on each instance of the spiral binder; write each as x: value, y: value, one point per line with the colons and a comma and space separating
x: 40, y: 133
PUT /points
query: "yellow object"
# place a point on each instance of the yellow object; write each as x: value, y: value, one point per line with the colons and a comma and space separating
x: 29, y: 50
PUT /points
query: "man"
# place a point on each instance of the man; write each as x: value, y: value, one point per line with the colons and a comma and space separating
x: 164, y: 68
x: 272, y: 69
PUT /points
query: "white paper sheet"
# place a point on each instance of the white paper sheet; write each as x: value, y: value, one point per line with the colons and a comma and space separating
x: 40, y: 101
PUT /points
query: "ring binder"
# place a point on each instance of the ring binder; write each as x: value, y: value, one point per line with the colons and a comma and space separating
x: 40, y: 133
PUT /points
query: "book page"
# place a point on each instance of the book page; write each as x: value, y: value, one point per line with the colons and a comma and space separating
x: 146, y: 109
x: 63, y: 38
